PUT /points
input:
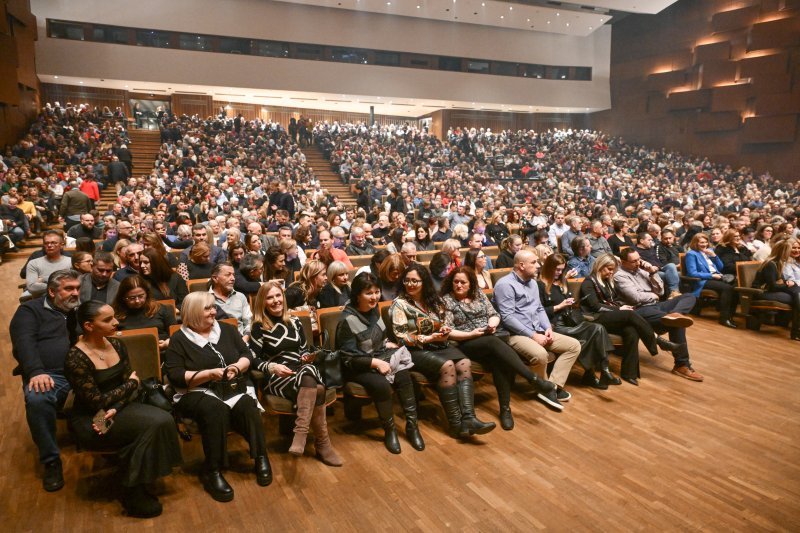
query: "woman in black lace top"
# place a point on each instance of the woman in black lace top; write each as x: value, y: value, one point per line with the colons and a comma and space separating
x: 100, y: 374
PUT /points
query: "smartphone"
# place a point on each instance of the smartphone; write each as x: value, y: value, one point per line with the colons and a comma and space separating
x: 101, y: 422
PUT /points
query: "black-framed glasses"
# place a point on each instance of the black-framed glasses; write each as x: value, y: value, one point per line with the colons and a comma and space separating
x: 412, y: 281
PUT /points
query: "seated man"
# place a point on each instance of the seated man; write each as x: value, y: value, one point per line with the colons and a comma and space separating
x: 640, y: 286
x: 42, y: 331
x: 232, y: 303
x: 326, y: 243
x: 598, y: 240
x: 516, y: 297
x: 132, y: 254
x: 573, y: 230
x: 99, y: 284
x: 358, y: 243
x: 582, y: 258
x: 86, y: 228
x: 38, y: 270
x: 476, y: 243
x: 200, y: 234
x: 668, y: 272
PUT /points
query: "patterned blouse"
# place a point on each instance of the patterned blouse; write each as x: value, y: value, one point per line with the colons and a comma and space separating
x: 405, y: 316
x: 465, y: 316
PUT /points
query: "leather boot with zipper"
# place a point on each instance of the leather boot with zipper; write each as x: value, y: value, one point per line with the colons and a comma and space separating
x: 409, y: 403
x: 466, y: 397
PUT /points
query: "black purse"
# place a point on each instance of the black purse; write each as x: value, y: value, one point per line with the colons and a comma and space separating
x: 329, y: 363
x: 151, y: 392
x: 227, y: 388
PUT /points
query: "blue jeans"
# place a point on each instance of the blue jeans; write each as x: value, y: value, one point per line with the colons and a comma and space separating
x: 669, y: 274
x: 40, y: 411
x: 17, y: 234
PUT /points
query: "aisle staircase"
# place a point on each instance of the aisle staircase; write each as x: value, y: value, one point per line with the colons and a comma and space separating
x: 329, y: 180
x: 144, y: 148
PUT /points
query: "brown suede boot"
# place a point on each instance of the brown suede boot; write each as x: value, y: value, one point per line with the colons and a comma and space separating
x: 322, y: 442
x: 306, y: 397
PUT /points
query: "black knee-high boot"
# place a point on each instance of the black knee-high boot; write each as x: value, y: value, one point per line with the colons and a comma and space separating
x: 408, y: 401
x: 452, y: 410
x: 466, y: 398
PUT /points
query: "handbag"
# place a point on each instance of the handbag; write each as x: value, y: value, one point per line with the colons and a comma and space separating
x: 227, y: 388
x: 151, y: 392
x: 329, y: 364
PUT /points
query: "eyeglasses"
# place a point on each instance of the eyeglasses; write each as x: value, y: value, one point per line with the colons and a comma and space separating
x: 135, y: 297
x: 412, y: 282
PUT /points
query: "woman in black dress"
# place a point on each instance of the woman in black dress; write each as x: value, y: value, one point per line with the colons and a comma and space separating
x: 202, y: 354
x: 558, y: 304
x: 164, y: 282
x: 368, y: 357
x: 336, y: 292
x: 99, y: 371
x: 136, y: 308
x: 279, y: 343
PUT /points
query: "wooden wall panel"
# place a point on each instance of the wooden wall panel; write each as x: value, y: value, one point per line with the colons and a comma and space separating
x: 734, y: 19
x: 777, y: 129
x: 19, y: 97
x: 192, y: 104
x: 703, y: 111
x: 9, y: 91
x: 26, y: 62
x: 707, y: 122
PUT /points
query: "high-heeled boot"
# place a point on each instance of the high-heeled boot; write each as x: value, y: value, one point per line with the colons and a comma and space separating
x: 466, y: 397
x: 409, y: 403
x: 448, y: 396
x: 306, y: 397
x: 390, y: 439
x: 322, y: 442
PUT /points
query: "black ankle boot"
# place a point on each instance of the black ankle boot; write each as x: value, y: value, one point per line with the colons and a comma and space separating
x: 139, y: 504
x: 263, y: 471
x: 216, y: 486
x: 542, y: 385
x: 466, y: 397
x: 452, y: 410
x: 409, y: 403
x: 506, y: 420
x: 607, y: 378
x: 590, y: 380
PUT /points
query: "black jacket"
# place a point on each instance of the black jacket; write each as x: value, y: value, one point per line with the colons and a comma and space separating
x: 41, y: 336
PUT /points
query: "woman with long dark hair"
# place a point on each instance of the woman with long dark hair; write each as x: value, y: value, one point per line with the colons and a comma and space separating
x: 371, y: 359
x: 474, y: 324
x: 165, y: 284
x: 135, y: 308
x: 99, y: 371
x: 418, y: 323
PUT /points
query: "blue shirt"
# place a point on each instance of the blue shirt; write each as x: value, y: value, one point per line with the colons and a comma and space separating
x: 520, y: 307
x: 583, y: 266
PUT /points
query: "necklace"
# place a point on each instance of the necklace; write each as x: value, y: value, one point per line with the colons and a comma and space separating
x: 95, y: 352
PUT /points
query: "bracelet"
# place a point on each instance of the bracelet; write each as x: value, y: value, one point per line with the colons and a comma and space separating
x: 271, y: 367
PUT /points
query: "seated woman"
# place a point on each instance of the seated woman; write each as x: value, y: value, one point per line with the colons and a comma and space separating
x: 165, y: 284
x: 248, y: 278
x: 541, y: 245
x: 119, y: 252
x: 200, y: 356
x: 135, y: 308
x: 779, y: 276
x: 236, y: 252
x: 389, y: 274
x: 303, y: 294
x: 732, y: 250
x: 476, y: 260
x: 292, y: 262
x: 396, y: 239
x: 152, y: 240
x: 453, y: 249
x: 336, y: 292
x: 439, y: 267
x: 253, y: 244
x: 422, y: 238
x: 98, y: 370
x: 600, y: 301
x: 275, y: 265
x: 368, y: 357
x: 703, y: 263
x: 82, y: 262
x: 279, y: 343
x: 508, y: 248
x: 620, y: 237
x: 198, y: 265
x: 496, y: 229
x: 418, y: 323
x: 558, y: 302
x: 763, y: 239
x: 474, y: 325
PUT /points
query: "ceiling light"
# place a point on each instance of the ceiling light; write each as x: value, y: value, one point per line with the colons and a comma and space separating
x: 567, y: 24
x: 417, y: 7
x: 548, y: 22
x: 55, y: 77
x: 80, y: 82
x: 511, y: 8
x: 558, y: 14
x: 590, y: 27
x: 502, y: 17
x: 388, y: 3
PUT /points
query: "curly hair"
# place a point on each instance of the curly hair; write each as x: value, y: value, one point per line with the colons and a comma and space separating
x: 447, y: 284
x: 429, y: 295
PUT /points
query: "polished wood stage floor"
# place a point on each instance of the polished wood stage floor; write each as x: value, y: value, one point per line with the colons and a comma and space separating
x: 668, y: 455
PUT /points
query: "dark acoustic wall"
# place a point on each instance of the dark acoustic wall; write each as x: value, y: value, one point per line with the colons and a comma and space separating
x: 19, y: 96
x: 713, y: 78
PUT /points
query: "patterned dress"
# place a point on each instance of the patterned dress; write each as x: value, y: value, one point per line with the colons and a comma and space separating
x: 284, y: 344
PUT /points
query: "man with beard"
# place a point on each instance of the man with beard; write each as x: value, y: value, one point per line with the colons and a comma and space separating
x: 42, y: 331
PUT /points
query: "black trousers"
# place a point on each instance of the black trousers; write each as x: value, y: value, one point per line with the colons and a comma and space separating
x: 789, y: 296
x: 215, y: 419
x: 728, y: 298
x: 632, y: 327
x: 653, y: 314
x: 377, y: 386
x: 501, y: 359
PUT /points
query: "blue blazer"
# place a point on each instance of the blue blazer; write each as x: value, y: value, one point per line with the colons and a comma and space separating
x: 697, y: 267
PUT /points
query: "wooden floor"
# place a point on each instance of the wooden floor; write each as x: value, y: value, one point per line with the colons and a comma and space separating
x: 668, y: 455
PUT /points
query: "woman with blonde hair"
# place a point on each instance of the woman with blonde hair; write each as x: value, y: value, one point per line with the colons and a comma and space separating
x: 282, y: 353
x: 779, y: 276
x: 303, y: 294
x: 119, y: 252
x: 452, y: 248
x: 336, y: 292
x: 600, y: 301
x: 389, y: 272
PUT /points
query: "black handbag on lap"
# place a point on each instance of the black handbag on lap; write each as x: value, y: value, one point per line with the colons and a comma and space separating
x: 329, y: 363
